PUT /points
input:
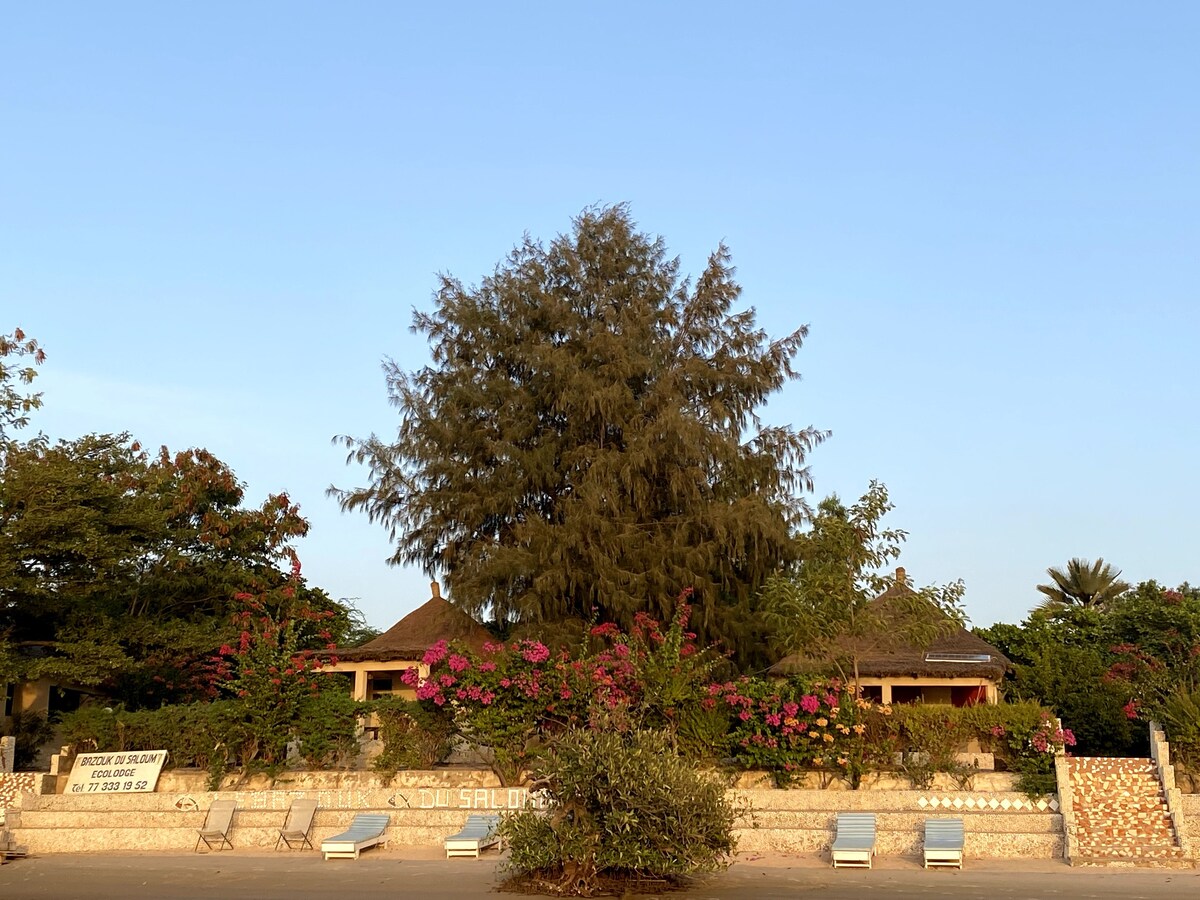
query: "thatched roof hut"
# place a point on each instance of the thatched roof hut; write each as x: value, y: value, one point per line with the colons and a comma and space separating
x: 953, y: 656
x: 377, y: 665
x: 436, y: 619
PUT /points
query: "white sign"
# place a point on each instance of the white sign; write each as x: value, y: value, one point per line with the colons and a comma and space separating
x: 116, y: 773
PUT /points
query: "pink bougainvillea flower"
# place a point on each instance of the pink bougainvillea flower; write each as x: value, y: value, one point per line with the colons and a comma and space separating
x: 428, y: 690
x: 435, y: 654
x: 534, y: 652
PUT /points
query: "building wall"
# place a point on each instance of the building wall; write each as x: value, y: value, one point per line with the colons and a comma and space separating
x: 934, y: 690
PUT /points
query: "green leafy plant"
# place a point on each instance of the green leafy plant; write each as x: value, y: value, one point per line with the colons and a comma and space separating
x: 929, y: 738
x: 415, y: 735
x: 32, y: 731
x: 622, y: 806
x: 512, y: 697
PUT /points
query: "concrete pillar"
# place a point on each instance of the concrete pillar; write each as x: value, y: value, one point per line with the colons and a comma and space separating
x: 8, y: 753
x: 360, y: 684
x: 886, y: 692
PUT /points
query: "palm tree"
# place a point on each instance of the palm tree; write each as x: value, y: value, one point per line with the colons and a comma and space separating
x: 1093, y: 585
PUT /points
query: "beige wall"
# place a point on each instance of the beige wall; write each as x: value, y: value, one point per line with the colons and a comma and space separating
x: 934, y: 690
x: 367, y: 673
x: 32, y: 696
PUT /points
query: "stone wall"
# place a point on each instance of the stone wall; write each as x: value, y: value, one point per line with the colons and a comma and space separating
x: 1189, y: 805
x: 12, y: 785
x: 424, y: 807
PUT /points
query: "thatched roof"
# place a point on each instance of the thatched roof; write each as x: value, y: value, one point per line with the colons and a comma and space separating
x: 409, y: 638
x: 955, y: 654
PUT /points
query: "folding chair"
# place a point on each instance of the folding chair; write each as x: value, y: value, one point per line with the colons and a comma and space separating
x: 298, y: 825
x: 217, y: 824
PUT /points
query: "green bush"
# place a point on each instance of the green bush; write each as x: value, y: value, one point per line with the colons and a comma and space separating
x: 31, y: 731
x: 327, y: 729
x: 929, y: 739
x: 194, y: 735
x: 622, y: 807
x: 1022, y: 736
x: 414, y: 735
x: 220, y: 733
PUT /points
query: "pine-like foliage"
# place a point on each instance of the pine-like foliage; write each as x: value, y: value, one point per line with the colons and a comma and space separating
x: 586, y: 436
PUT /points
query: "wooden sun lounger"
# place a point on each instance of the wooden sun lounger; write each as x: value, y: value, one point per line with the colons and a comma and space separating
x: 366, y: 830
x: 854, y: 843
x: 478, y: 834
x: 943, y: 842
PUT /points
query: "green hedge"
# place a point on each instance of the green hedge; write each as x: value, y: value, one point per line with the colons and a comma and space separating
x: 221, y: 733
x: 414, y: 736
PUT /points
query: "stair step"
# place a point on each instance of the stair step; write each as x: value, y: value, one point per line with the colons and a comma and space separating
x: 1121, y: 817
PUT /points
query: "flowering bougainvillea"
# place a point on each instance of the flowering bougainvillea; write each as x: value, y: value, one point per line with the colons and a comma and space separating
x: 510, y: 696
x: 1050, y: 736
x: 266, y: 668
x: 789, y: 726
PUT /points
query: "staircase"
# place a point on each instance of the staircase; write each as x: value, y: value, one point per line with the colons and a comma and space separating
x: 1120, y: 815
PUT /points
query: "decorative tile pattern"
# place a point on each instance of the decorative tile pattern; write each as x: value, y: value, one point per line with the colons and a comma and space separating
x: 1120, y: 812
x: 12, y: 784
x: 984, y: 804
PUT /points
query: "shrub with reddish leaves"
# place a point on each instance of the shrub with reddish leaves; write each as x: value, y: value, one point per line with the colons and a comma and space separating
x: 267, y: 670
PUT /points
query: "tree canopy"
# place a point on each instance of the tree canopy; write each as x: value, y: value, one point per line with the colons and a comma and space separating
x: 119, y: 568
x: 15, y: 405
x: 824, y: 607
x: 1106, y: 670
x: 587, y: 436
x: 1082, y: 583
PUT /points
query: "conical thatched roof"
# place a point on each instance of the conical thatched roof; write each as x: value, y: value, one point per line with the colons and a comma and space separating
x: 409, y: 638
x: 955, y: 654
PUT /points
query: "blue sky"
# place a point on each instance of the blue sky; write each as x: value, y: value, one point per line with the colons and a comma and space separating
x: 218, y: 218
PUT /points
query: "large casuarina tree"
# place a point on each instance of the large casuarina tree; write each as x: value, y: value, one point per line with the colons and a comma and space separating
x: 586, y: 439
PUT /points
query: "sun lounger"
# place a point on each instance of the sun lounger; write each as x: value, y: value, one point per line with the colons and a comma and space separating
x: 943, y: 842
x: 216, y: 825
x: 854, y: 843
x: 366, y: 830
x: 478, y: 834
x: 297, y: 825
